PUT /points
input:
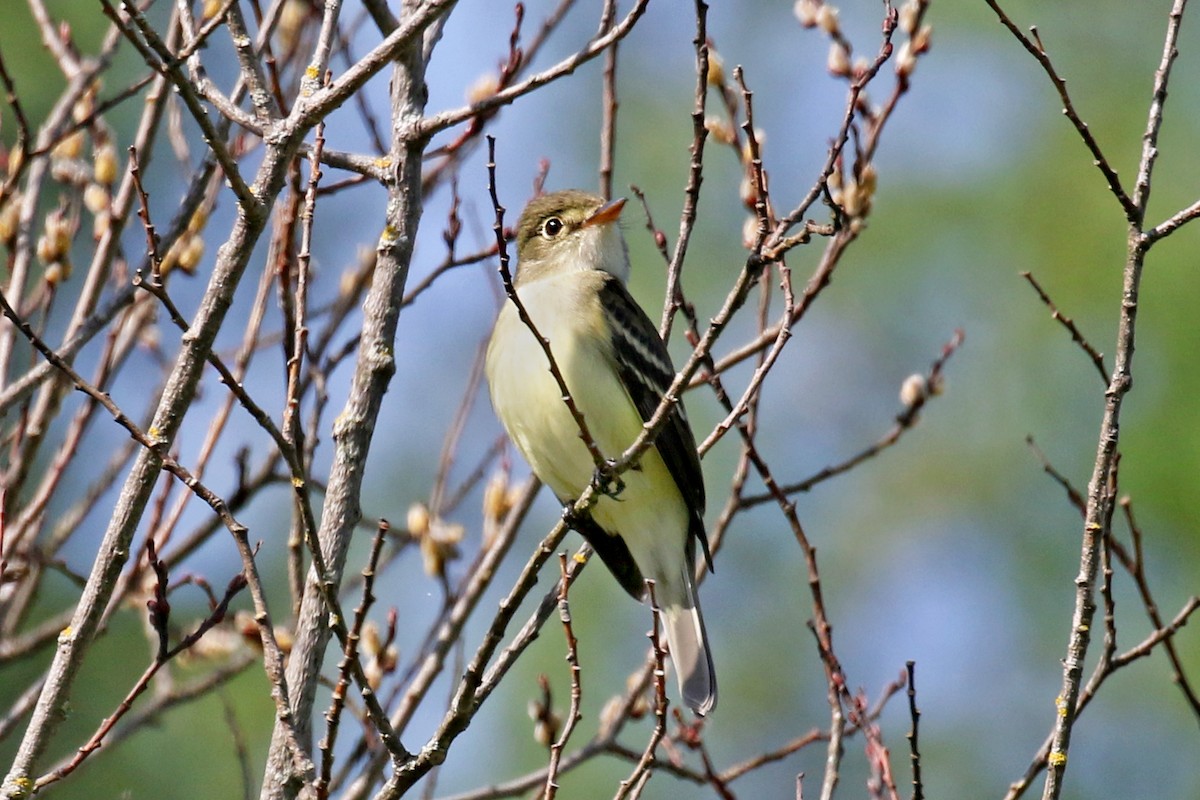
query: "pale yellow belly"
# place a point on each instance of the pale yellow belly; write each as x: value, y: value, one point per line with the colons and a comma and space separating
x: 649, y: 513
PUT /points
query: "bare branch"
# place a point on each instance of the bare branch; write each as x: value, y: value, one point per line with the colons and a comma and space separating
x: 1132, y: 209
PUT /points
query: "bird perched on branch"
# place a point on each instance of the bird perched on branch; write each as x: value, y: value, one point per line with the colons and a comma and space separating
x: 571, y: 272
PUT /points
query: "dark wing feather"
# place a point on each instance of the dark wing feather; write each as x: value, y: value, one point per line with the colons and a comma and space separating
x: 644, y: 366
x: 614, y: 553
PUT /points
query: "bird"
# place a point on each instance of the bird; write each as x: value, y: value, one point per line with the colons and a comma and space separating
x: 572, y: 266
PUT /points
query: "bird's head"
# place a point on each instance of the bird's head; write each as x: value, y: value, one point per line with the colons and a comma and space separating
x: 570, y: 230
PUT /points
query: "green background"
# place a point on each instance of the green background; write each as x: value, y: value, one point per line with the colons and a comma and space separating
x: 953, y: 549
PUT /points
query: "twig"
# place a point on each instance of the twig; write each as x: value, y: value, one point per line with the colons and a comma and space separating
x: 465, y: 702
x: 448, y: 264
x: 355, y: 425
x: 24, y: 132
x: 1136, y: 566
x: 1133, y: 563
x: 287, y: 448
x: 156, y: 53
x: 296, y: 349
x: 437, y: 495
x: 836, y: 686
x: 1040, y: 55
x: 512, y: 67
x: 447, y: 630
x: 1102, y: 486
x: 157, y: 446
x: 601, y: 463
x: 1069, y: 324
x: 779, y: 241
x: 1073, y: 495
x: 914, y: 714
x: 691, y: 193
x: 1174, y: 223
x: 159, y: 612
x: 632, y: 786
x: 446, y: 119
x: 608, y: 103
x: 1043, y: 758
x: 350, y: 653
x: 529, y: 631
x: 605, y: 741
x: 573, y: 713
x: 905, y: 420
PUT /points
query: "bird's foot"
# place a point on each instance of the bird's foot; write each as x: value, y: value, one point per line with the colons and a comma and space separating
x: 607, y: 481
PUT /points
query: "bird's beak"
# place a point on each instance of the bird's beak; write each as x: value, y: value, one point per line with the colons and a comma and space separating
x: 609, y: 212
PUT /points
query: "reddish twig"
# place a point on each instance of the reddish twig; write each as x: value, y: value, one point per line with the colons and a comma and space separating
x: 349, y: 654
x: 598, y: 459
x: 573, y: 713
x: 632, y: 786
x: 160, y: 611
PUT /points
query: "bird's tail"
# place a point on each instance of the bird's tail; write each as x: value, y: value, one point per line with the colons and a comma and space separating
x: 689, y: 646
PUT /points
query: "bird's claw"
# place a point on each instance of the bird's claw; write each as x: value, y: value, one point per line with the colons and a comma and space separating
x: 607, y: 481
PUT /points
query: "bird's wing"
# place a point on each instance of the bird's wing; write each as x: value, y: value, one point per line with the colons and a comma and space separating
x: 645, y: 370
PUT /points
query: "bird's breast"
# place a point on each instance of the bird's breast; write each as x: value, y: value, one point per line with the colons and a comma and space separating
x: 650, y: 512
x: 529, y: 401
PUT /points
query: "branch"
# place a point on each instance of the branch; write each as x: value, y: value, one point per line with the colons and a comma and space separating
x: 1069, y: 324
x: 1132, y: 209
x: 598, y: 459
x: 159, y: 611
x: 573, y: 713
x: 632, y: 786
x: 446, y: 119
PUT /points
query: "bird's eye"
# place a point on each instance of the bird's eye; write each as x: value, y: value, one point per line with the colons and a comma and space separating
x: 552, y: 227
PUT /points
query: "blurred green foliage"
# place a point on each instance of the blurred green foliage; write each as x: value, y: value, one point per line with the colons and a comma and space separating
x: 954, y: 549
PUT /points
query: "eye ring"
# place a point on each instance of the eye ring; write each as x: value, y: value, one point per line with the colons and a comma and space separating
x: 552, y: 227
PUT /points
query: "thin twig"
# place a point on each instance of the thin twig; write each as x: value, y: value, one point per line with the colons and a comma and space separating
x: 914, y: 714
x: 1035, y: 49
x: 159, y: 611
x: 598, y: 459
x: 350, y: 653
x: 691, y: 192
x: 905, y: 421
x: 1135, y: 564
x: 608, y: 104
x: 1069, y: 324
x: 573, y: 713
x: 632, y: 786
x: 446, y: 119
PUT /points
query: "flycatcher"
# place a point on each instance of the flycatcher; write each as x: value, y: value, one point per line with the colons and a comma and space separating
x: 571, y: 272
